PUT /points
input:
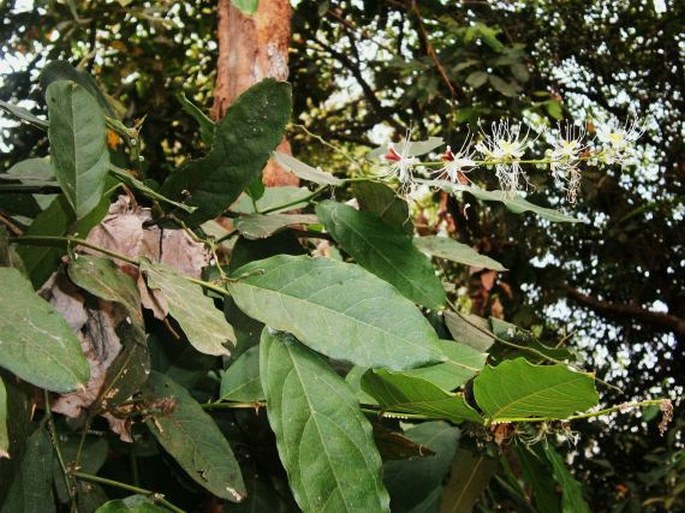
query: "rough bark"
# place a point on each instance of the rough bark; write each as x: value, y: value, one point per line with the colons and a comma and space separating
x: 252, y: 48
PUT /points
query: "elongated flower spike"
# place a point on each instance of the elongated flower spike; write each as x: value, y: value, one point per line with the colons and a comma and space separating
x: 504, y: 147
x: 457, y: 165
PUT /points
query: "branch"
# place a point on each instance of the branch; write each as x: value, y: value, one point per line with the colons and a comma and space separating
x: 369, y: 94
x: 659, y: 320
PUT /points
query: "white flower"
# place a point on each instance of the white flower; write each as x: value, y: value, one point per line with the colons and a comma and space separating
x: 399, y: 164
x: 565, y: 156
x: 619, y: 142
x: 505, y: 147
x: 457, y: 165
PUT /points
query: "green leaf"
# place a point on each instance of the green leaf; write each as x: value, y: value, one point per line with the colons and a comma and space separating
x: 62, y: 70
x: 463, y: 362
x: 37, y: 343
x: 94, y: 453
x: 274, y: 197
x: 192, y: 438
x: 206, y: 125
x: 241, y: 381
x: 469, y: 477
x: 399, y: 392
x: 383, y: 250
x: 323, y: 439
x: 203, y: 324
x: 414, y: 148
x: 509, y: 89
x: 412, y: 483
x: 23, y: 114
x: 131, y: 504
x: 477, y: 79
x: 518, y: 205
x: 4, y: 432
x: 538, y: 475
x: 382, y: 201
x: 31, y: 489
x: 248, y: 7
x: 243, y: 141
x: 337, y: 309
x: 41, y: 261
x: 520, y: 71
x: 78, y: 147
x: 518, y: 389
x: 258, y: 226
x: 513, y: 333
x: 35, y: 171
x: 305, y: 171
x: 465, y: 329
x: 554, y: 109
x: 513, y: 202
x: 571, y: 491
x: 102, y: 278
x: 450, y: 249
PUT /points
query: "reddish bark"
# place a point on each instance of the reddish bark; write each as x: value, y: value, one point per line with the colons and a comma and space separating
x: 252, y: 48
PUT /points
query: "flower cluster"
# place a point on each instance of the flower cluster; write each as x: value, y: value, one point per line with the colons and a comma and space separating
x: 504, y: 148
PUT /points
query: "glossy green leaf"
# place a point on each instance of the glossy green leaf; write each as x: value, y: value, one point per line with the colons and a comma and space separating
x: 241, y: 380
x: 468, y: 479
x: 31, y: 489
x: 398, y: 392
x: 413, y: 483
x: 192, y: 438
x: 450, y: 249
x: 132, y: 504
x: 337, y: 309
x: 4, y: 431
x: 471, y: 330
x: 203, y: 324
x: 248, y: 7
x: 102, y: 278
x: 258, y: 226
x: 382, y: 201
x: 78, y: 148
x: 62, y: 70
x: 243, y: 141
x: 305, y: 171
x: 36, y: 342
x: 383, y: 250
x: 571, y: 491
x: 323, y: 439
x: 40, y: 261
x: 518, y: 389
x: 207, y: 126
x: 463, y: 362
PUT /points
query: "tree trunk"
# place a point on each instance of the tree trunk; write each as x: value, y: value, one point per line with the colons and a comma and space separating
x: 252, y: 48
